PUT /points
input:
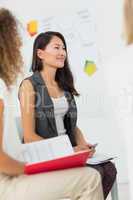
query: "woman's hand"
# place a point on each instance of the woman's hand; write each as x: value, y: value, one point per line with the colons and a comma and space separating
x: 88, y: 147
x: 92, y: 149
x: 80, y: 148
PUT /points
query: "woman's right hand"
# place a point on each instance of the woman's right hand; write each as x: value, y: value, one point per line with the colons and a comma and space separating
x: 84, y: 147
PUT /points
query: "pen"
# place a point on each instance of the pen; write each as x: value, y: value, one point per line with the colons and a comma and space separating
x: 94, y: 145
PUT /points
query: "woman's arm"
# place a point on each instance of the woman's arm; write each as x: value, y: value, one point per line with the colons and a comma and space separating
x: 81, y: 142
x: 27, y: 104
x: 79, y: 137
x: 8, y: 165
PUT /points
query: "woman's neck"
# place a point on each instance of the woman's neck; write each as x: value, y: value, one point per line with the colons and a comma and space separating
x: 48, y: 74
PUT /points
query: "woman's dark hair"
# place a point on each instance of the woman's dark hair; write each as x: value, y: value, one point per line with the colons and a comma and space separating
x: 64, y: 75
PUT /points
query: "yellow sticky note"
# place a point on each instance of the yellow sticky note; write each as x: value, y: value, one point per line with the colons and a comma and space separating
x: 90, y: 67
x: 32, y: 27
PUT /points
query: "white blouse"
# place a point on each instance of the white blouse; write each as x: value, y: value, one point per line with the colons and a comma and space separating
x: 11, y: 142
x: 60, y: 109
x: 118, y: 74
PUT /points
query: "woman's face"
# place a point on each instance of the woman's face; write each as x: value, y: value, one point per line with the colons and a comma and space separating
x: 54, y: 54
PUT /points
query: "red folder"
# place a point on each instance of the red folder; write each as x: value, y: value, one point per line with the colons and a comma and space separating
x: 74, y: 160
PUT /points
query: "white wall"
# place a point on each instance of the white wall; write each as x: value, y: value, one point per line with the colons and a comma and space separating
x: 110, y: 27
x: 92, y: 105
x: 96, y: 121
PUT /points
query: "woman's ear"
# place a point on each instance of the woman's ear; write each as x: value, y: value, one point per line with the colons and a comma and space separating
x: 40, y: 53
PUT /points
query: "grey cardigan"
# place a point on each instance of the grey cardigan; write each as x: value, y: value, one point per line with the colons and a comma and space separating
x: 45, y: 125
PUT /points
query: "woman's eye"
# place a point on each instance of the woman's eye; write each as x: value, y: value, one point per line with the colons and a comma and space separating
x: 60, y: 48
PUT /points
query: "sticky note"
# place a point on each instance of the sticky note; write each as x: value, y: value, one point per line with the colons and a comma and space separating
x: 90, y: 67
x: 32, y: 27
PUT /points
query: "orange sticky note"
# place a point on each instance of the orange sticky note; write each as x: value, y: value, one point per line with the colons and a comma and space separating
x: 32, y: 27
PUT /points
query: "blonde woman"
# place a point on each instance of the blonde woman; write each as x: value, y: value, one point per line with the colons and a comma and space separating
x: 119, y: 83
x: 76, y: 184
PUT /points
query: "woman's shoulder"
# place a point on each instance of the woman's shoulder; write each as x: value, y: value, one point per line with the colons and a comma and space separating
x: 2, y: 83
x: 26, y: 87
x: 3, y: 88
x: 26, y: 81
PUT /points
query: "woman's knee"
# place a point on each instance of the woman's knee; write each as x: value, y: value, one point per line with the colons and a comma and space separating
x: 110, y: 170
x: 93, y: 175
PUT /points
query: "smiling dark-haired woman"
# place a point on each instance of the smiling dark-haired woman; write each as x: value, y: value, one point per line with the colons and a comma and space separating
x: 76, y: 184
x: 47, y: 100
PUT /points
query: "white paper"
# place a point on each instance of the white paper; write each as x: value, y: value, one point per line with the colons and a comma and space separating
x: 99, y: 158
x: 47, y: 149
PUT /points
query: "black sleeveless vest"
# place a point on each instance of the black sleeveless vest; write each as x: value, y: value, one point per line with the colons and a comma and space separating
x: 45, y: 125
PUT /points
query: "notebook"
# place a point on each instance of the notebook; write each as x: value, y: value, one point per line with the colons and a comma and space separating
x: 50, y: 154
x: 99, y: 159
x: 45, y: 150
x: 73, y: 160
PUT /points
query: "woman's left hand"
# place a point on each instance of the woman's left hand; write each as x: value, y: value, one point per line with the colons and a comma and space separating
x: 88, y: 147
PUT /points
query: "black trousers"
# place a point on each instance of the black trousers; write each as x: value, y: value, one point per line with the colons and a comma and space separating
x: 108, y: 173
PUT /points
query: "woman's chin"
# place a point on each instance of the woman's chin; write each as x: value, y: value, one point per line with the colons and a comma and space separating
x: 57, y: 66
x: 60, y: 66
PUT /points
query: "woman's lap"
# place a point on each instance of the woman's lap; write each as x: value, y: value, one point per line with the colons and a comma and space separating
x: 47, y: 186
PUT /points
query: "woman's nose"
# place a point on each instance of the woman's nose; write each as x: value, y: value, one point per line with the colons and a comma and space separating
x: 62, y: 52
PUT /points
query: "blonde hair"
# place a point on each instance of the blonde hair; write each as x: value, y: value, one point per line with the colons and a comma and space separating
x: 128, y: 21
x: 10, y: 43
